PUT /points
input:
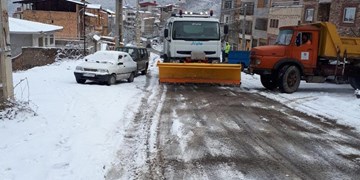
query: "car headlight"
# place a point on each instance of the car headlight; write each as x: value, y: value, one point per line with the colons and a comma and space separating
x: 79, y: 68
x: 103, y: 71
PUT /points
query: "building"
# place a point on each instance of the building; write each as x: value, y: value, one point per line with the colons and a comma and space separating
x: 230, y: 14
x: 25, y: 33
x: 66, y: 13
x: 345, y: 14
x: 283, y: 13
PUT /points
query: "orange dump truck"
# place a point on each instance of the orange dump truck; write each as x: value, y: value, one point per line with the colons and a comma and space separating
x: 312, y: 52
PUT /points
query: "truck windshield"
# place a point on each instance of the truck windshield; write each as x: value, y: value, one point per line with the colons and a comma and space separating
x: 200, y: 30
x: 284, y: 37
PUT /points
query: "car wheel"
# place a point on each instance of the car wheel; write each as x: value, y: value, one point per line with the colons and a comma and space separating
x: 289, y: 81
x: 112, y: 80
x: 131, y: 77
x: 269, y: 82
x: 80, y: 81
x: 143, y: 72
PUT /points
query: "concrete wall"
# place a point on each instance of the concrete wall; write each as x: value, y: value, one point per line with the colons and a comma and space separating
x: 18, y: 41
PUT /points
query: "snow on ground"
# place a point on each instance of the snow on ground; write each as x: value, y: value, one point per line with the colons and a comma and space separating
x: 73, y: 131
x: 337, y: 102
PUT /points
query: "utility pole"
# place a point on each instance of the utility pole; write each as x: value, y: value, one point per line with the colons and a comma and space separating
x: 138, y: 24
x: 6, y: 79
x: 84, y: 27
x: 243, y: 41
x: 119, y: 23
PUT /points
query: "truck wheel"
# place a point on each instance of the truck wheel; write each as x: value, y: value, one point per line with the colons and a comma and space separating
x: 269, y: 82
x: 131, y: 77
x: 111, y: 80
x: 145, y: 70
x: 80, y: 81
x: 289, y: 81
x: 354, y: 82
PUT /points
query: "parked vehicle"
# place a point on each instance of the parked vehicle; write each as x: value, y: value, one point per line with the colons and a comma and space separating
x: 312, y: 52
x: 106, y: 66
x: 140, y: 55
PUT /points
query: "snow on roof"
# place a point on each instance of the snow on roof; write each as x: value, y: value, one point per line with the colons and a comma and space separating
x: 109, y: 11
x: 20, y: 26
x: 90, y: 14
x: 74, y: 1
x: 93, y: 6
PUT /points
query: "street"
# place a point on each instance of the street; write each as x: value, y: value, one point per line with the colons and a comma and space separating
x: 214, y: 132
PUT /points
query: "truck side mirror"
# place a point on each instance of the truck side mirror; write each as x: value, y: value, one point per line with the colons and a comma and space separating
x: 166, y: 33
x: 226, y: 29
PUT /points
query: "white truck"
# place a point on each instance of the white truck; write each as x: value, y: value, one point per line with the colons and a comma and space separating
x: 187, y: 35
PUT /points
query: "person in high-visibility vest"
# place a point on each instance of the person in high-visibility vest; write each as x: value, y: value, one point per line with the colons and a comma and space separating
x: 227, y: 50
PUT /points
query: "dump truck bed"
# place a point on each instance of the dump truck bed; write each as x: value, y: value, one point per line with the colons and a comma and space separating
x: 330, y: 42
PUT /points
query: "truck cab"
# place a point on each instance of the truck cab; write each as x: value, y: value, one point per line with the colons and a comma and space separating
x: 186, y: 34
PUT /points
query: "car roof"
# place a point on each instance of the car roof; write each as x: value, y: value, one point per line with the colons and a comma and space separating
x: 112, y: 52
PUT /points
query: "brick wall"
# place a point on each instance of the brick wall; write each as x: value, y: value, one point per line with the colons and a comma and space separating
x: 68, y: 20
x: 287, y: 16
x: 337, y: 15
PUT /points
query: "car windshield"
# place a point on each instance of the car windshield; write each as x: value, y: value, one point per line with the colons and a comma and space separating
x: 103, y: 57
x: 202, y: 30
x: 284, y: 37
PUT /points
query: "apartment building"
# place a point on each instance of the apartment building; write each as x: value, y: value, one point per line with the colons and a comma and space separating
x: 344, y: 13
x: 230, y: 14
x: 283, y: 13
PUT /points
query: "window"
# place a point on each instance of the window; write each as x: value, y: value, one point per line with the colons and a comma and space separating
x: 274, y: 23
x: 228, y: 5
x: 226, y: 19
x: 41, y: 41
x: 309, y: 15
x: 262, y: 3
x: 261, y: 24
x: 349, y: 15
x: 52, y: 39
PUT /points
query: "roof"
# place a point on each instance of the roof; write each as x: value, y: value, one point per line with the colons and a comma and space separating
x: 146, y: 4
x: 93, y: 6
x: 20, y: 26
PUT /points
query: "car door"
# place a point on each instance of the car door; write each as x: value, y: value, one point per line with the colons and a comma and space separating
x: 141, y: 62
x: 121, y: 68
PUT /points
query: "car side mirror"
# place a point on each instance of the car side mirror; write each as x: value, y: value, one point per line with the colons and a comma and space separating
x: 120, y: 63
x: 166, y: 33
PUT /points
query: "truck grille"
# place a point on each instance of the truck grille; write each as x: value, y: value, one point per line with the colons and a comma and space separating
x: 189, y: 52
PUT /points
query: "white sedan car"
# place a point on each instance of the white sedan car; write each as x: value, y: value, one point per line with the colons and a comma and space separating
x: 106, y: 66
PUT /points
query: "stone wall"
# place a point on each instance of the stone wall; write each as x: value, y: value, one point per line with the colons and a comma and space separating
x: 33, y: 57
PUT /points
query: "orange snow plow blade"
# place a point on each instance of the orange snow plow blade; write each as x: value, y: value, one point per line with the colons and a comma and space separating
x: 224, y: 74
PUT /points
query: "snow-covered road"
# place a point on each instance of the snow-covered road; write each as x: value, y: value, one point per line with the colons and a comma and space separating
x: 73, y: 131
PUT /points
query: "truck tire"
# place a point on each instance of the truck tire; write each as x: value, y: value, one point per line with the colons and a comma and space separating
x: 269, y: 82
x: 289, y: 80
x: 354, y: 82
